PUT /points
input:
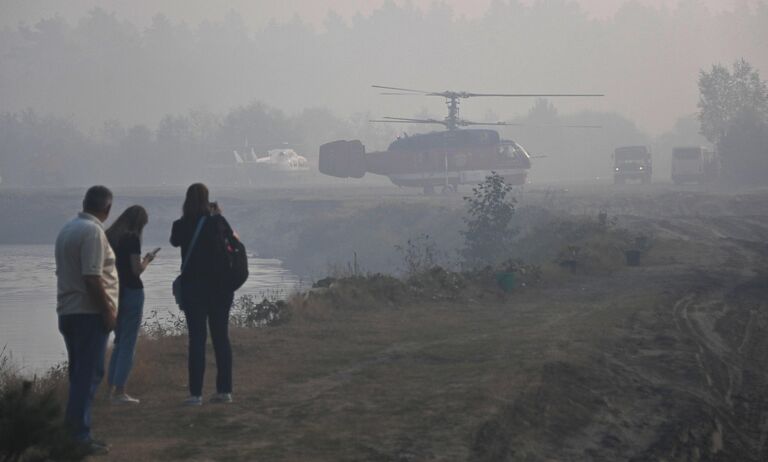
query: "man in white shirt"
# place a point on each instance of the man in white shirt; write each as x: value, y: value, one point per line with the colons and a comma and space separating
x: 87, y: 291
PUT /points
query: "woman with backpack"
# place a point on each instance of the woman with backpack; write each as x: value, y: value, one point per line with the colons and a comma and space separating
x: 204, y: 298
x: 125, y: 238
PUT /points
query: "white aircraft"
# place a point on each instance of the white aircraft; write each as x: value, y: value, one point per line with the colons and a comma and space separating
x: 276, y: 159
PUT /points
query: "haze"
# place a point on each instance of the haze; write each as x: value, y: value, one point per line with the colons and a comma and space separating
x: 185, y: 82
x: 646, y: 60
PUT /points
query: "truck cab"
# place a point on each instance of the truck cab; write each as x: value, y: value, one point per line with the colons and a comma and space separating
x: 632, y: 163
x: 694, y: 164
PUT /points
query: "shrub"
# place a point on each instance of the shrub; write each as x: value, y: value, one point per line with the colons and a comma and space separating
x: 156, y: 325
x: 488, y: 235
x: 247, y: 312
x: 31, y: 423
x: 419, y: 254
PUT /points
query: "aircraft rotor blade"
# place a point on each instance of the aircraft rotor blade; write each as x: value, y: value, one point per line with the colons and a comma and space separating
x: 531, y: 95
x: 464, y: 94
x: 399, y: 89
x: 408, y: 119
x: 495, y: 124
x: 395, y: 121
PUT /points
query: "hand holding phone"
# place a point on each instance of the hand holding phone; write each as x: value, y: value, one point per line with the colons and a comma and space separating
x: 151, y: 255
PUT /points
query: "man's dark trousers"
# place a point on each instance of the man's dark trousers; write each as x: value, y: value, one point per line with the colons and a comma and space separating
x: 86, y: 341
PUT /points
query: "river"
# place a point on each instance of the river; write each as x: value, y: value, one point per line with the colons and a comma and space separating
x: 28, y: 324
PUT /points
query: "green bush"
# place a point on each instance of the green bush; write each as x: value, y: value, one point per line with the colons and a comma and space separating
x: 488, y: 236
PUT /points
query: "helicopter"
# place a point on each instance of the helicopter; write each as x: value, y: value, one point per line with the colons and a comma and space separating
x: 440, y: 159
x: 250, y: 165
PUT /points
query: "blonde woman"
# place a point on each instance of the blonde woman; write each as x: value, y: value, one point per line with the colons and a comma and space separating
x: 125, y: 238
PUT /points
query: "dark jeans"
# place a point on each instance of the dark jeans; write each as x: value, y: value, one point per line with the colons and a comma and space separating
x: 216, y: 313
x: 86, y: 341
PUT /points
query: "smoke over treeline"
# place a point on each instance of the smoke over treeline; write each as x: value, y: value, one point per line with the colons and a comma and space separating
x: 645, y: 60
x: 40, y: 150
x: 155, y: 103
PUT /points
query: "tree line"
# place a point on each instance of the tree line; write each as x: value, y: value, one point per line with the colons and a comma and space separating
x: 37, y: 150
x: 734, y: 117
x: 103, y: 67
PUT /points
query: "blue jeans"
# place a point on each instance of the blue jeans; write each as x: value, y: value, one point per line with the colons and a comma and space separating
x: 129, y: 313
x: 86, y: 341
x: 216, y: 313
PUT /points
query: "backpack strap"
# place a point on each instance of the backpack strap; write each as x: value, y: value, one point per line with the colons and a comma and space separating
x: 199, y: 228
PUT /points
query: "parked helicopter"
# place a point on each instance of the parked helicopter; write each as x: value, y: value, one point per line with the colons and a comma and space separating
x: 248, y: 167
x: 441, y: 159
x: 284, y: 160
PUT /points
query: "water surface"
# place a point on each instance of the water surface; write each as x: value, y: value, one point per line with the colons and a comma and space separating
x: 28, y: 322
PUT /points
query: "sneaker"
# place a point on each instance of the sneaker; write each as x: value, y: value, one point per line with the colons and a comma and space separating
x: 124, y: 399
x: 221, y: 398
x: 193, y: 401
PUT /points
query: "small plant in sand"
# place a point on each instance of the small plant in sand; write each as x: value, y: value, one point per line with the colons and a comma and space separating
x: 168, y: 324
x: 419, y: 254
x: 249, y: 312
x: 490, y: 209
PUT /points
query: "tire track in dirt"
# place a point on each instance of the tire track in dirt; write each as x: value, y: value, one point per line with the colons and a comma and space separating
x: 694, y: 318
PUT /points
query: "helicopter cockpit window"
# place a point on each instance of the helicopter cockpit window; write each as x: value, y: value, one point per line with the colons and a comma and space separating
x: 511, y: 151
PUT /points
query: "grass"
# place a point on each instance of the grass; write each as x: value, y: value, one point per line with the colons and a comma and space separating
x: 584, y: 363
x: 31, y: 415
x: 350, y: 377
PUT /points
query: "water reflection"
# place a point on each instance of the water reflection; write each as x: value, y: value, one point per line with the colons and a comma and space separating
x: 28, y: 324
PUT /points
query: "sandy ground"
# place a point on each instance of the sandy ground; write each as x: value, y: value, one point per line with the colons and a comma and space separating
x: 664, y: 361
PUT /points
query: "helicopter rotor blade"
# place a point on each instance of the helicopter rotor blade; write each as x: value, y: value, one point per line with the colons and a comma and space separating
x: 395, y: 121
x: 531, y: 95
x: 399, y: 89
x: 464, y: 94
x: 495, y: 124
x: 407, y: 118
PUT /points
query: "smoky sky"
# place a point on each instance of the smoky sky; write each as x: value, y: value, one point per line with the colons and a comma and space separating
x: 645, y: 55
x: 261, y: 11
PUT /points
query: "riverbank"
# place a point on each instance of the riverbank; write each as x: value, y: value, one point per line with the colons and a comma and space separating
x: 586, y: 359
x: 315, y: 231
x: 642, y: 364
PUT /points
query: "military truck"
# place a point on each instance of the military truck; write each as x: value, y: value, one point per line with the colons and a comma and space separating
x: 694, y: 164
x: 632, y: 163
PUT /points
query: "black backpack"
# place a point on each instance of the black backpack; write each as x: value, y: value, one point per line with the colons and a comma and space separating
x: 231, y: 259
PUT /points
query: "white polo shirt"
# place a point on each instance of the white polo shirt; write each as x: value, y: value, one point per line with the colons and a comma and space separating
x: 82, y: 249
